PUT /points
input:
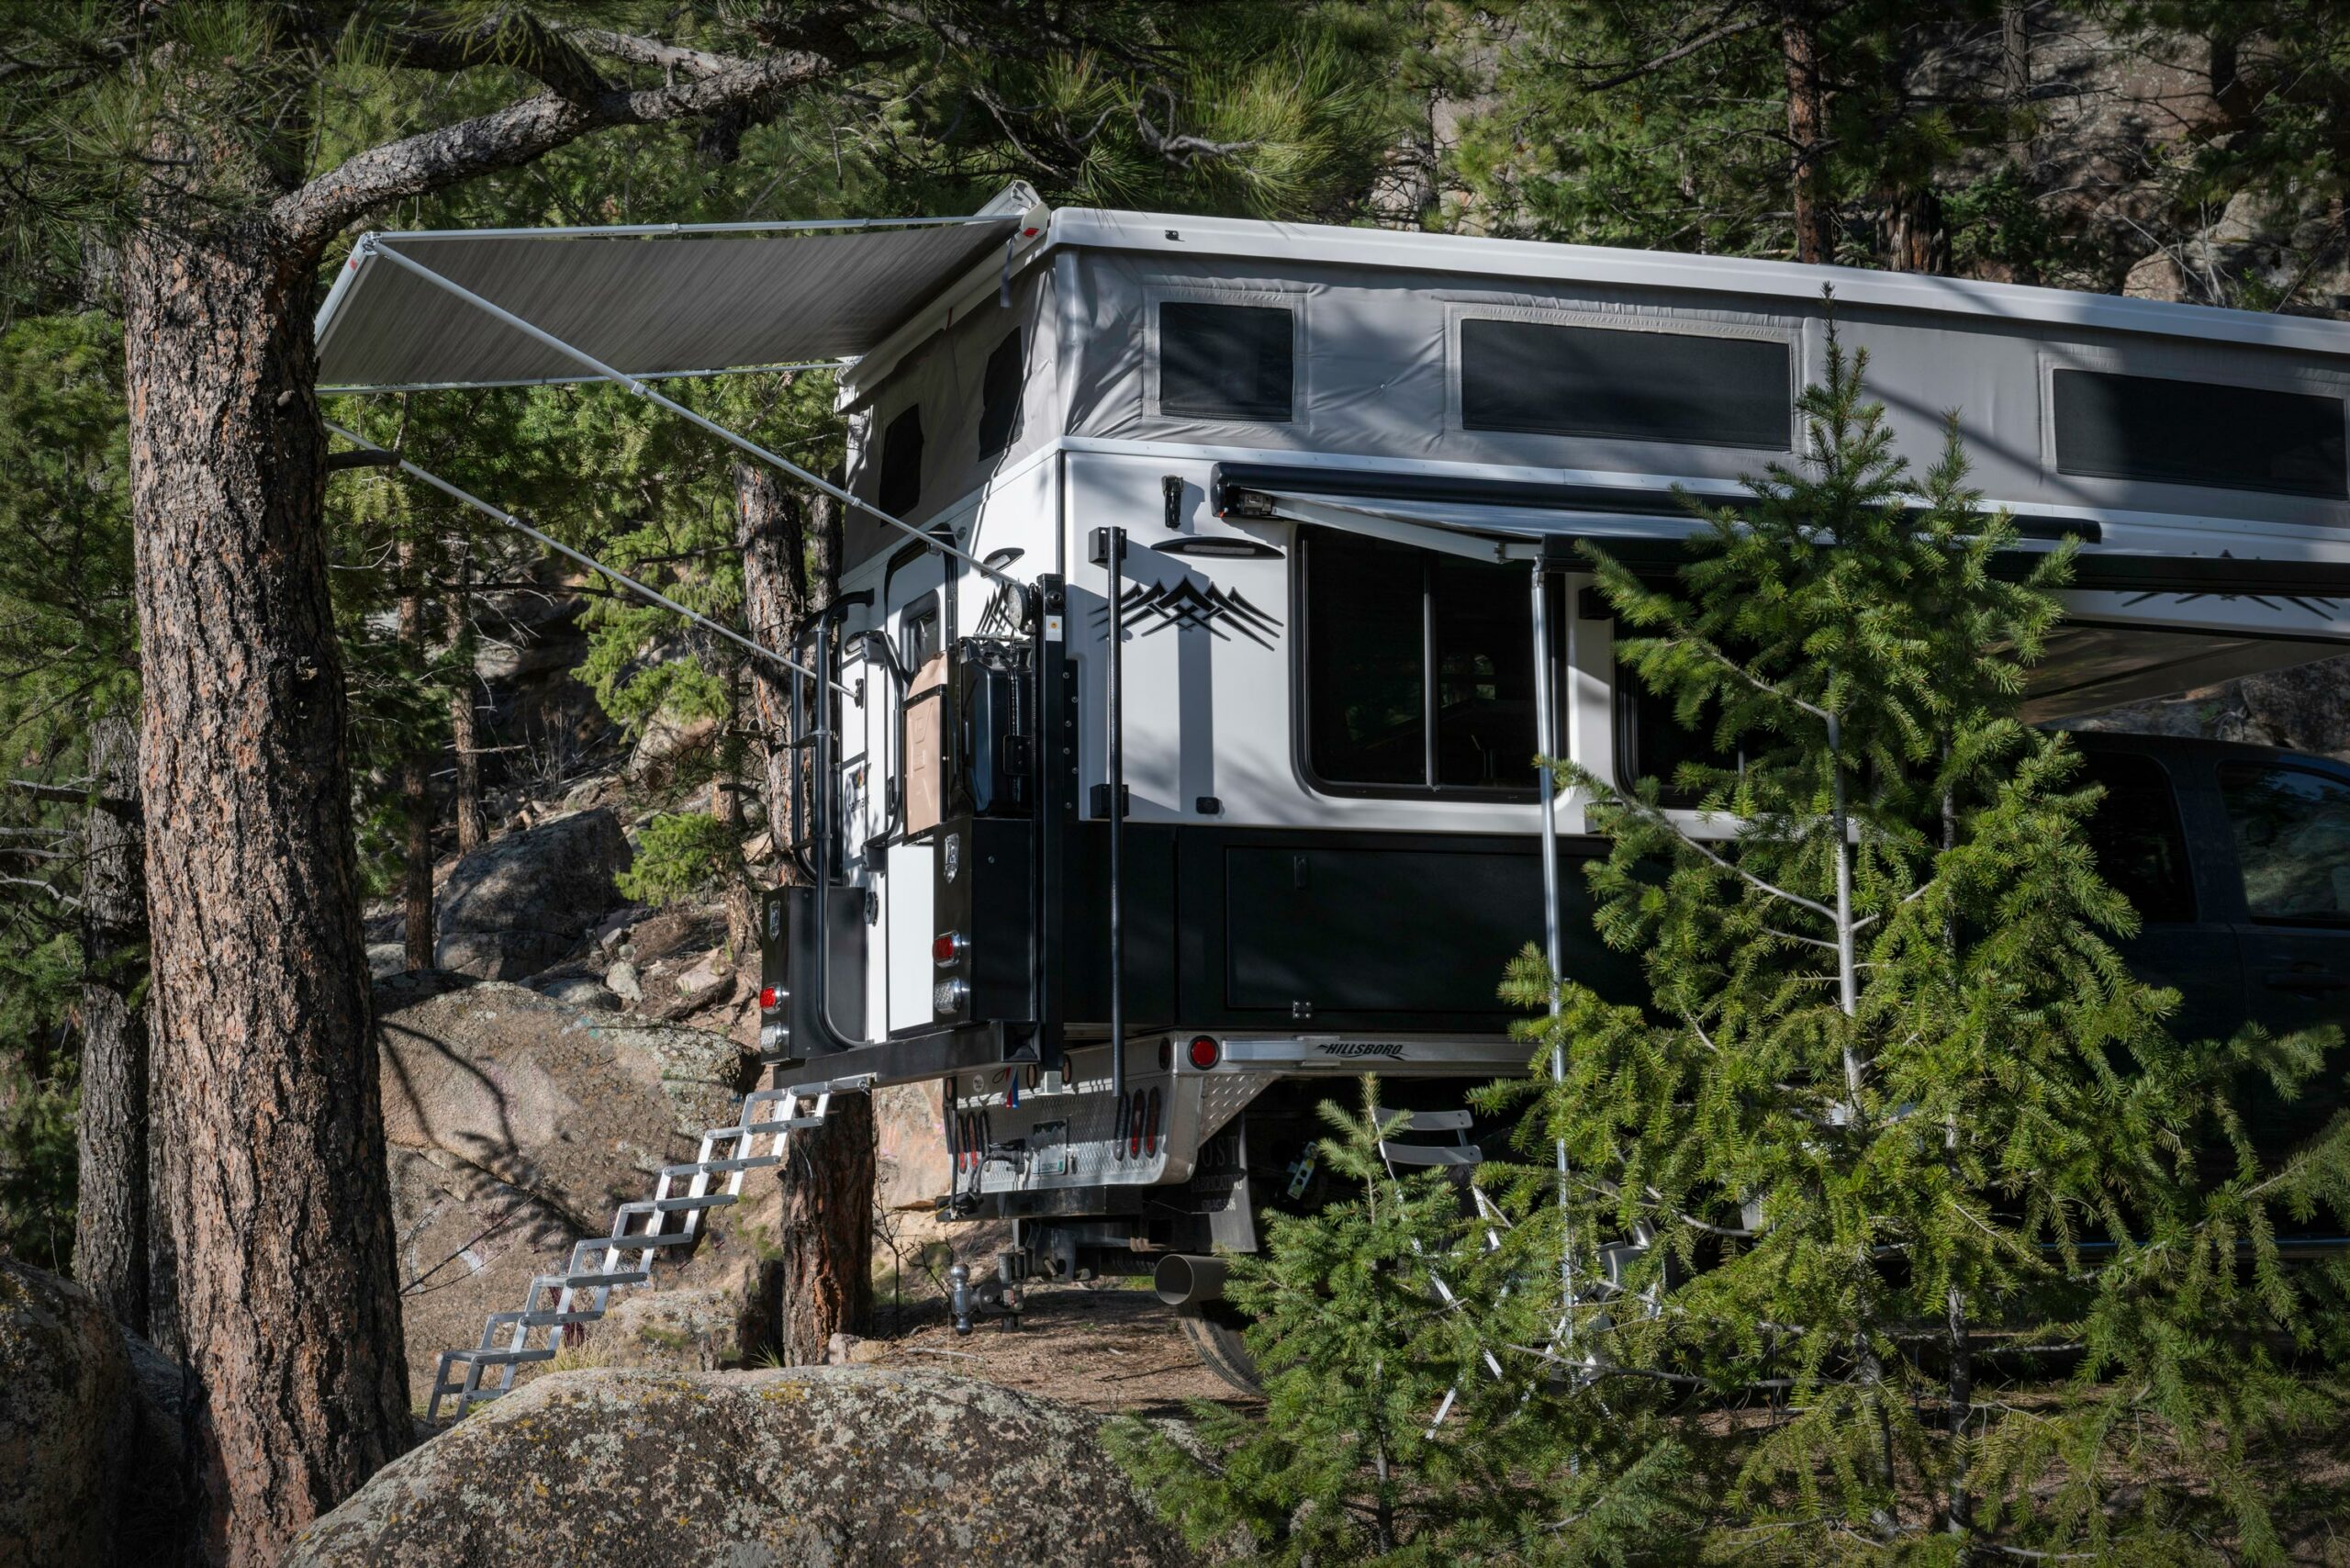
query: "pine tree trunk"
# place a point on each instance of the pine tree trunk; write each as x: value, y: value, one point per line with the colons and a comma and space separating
x: 416, y: 776
x: 110, y: 1244
x: 1913, y: 237
x: 268, y: 1124
x: 828, y: 1183
x: 464, y: 736
x: 770, y: 531
x: 1815, y: 211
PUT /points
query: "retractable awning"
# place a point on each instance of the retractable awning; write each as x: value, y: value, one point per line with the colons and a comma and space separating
x: 649, y: 299
x: 2138, y: 623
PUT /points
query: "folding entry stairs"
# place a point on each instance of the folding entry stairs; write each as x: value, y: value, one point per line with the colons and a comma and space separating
x: 601, y: 1264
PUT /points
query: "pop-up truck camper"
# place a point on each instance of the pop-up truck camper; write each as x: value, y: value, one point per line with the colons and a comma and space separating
x: 1209, y: 589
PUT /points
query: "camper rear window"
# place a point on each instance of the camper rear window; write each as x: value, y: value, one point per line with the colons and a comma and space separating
x: 2192, y: 432
x: 1226, y: 362
x: 1633, y: 386
x: 1418, y: 669
x: 901, y: 489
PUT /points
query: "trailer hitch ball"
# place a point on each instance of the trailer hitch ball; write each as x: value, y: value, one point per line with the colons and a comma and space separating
x: 960, y: 1298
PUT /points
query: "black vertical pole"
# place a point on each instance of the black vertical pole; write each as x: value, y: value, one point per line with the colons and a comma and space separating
x: 1116, y: 554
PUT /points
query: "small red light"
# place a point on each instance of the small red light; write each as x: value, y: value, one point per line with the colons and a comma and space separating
x: 947, y: 949
x: 768, y: 997
x: 1205, y: 1053
x: 1150, y: 1125
x: 1024, y: 234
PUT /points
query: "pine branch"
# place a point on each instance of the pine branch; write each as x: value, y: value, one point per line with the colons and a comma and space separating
x: 516, y: 134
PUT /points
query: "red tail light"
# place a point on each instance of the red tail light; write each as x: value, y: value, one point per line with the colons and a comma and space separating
x: 768, y: 998
x: 946, y: 949
x: 1205, y: 1053
x: 1150, y: 1125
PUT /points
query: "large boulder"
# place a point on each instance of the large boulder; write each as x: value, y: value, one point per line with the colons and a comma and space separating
x: 67, y: 1423
x: 842, y: 1467
x: 524, y: 900
x: 515, y: 1125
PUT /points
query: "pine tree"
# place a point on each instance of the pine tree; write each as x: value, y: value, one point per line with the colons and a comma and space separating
x: 1897, y: 1127
x: 1361, y: 1347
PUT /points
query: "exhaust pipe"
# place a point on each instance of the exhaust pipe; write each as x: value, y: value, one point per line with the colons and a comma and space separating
x: 1187, y: 1279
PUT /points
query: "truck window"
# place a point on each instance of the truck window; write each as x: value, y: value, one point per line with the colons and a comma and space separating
x: 1418, y: 668
x: 2140, y: 847
x: 2292, y: 834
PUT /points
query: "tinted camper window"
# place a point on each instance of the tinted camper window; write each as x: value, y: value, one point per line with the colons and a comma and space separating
x: 1418, y: 669
x: 1224, y: 361
x: 1634, y: 385
x: 1000, y: 398
x: 901, y: 489
x: 2189, y: 432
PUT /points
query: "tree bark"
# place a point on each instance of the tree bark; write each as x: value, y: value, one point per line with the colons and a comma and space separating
x: 828, y: 1182
x: 416, y: 776
x: 465, y: 734
x: 1913, y: 238
x: 269, y: 1128
x: 110, y: 1233
x: 771, y: 531
x: 1815, y: 210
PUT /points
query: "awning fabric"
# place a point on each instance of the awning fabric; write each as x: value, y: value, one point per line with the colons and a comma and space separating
x: 646, y: 303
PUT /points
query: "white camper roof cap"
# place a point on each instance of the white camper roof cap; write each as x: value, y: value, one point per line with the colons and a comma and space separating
x: 648, y: 299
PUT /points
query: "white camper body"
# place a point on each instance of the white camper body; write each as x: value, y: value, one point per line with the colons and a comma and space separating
x: 1351, y: 468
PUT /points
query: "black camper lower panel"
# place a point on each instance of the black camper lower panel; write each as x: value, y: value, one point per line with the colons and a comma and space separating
x: 1275, y: 928
x: 1255, y: 929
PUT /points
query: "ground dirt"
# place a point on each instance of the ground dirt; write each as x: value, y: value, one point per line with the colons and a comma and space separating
x: 1104, y: 1347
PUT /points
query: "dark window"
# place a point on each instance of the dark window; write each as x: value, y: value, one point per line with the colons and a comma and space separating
x: 1000, y: 398
x: 1599, y: 381
x: 2190, y: 433
x: 1419, y: 671
x: 901, y: 463
x: 1224, y: 361
x: 1652, y: 743
x: 2140, y: 848
x: 2292, y: 834
x: 918, y: 633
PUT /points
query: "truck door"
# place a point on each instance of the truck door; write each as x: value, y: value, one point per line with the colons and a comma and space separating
x: 2289, y: 829
x: 2141, y: 846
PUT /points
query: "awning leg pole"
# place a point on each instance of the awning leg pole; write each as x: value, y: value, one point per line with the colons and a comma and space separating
x: 1546, y: 732
x: 1115, y: 558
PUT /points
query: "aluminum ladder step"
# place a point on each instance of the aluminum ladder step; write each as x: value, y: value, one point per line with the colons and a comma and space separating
x: 720, y: 1167
x: 589, y: 1282
x: 684, y: 1206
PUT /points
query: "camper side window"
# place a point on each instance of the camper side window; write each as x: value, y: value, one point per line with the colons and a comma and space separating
x: 1545, y: 379
x: 1419, y: 671
x: 2190, y: 433
x: 1000, y: 398
x: 1226, y: 362
x: 900, y: 488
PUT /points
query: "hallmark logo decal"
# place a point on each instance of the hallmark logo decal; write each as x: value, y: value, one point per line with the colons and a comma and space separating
x: 1184, y: 603
x: 1361, y: 1048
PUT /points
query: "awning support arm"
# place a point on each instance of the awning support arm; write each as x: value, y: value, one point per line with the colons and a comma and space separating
x: 637, y: 386
x: 509, y: 519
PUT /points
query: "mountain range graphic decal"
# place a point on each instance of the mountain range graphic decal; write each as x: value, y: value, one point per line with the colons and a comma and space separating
x: 1185, y: 604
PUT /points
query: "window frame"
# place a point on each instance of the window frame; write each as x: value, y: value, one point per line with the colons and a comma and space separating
x: 1302, y: 685
x: 2200, y: 367
x: 2338, y: 922
x: 1787, y: 335
x: 1276, y: 297
x: 882, y: 470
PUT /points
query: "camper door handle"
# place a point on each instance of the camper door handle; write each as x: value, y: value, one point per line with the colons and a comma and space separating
x: 2309, y: 980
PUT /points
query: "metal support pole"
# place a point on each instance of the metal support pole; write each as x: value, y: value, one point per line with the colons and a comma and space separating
x: 1114, y: 553
x: 636, y: 385
x: 1546, y: 741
